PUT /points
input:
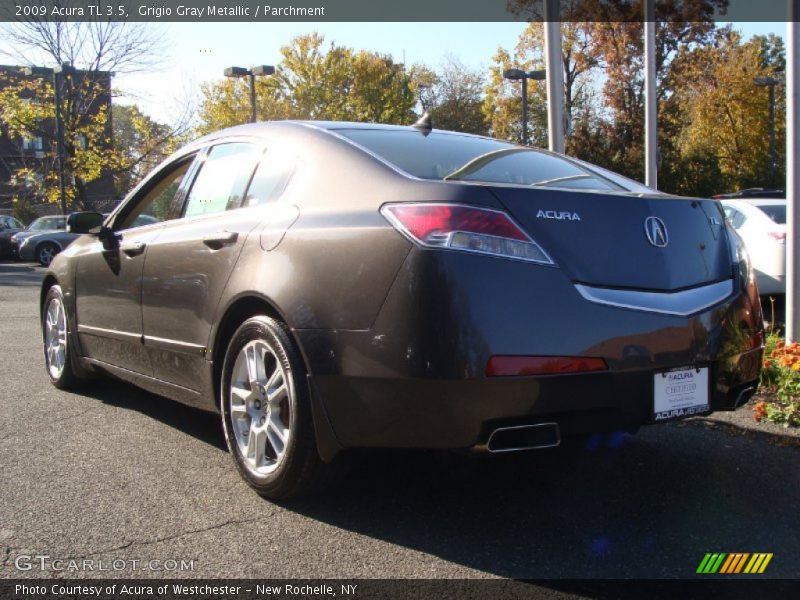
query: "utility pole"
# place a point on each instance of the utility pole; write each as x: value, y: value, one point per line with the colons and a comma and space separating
x: 60, y: 70
x: 650, y: 122
x: 58, y: 74
x: 554, y: 65
x: 770, y: 83
x: 792, y: 176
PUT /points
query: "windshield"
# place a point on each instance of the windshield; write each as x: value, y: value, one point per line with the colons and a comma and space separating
x: 48, y: 224
x: 459, y: 157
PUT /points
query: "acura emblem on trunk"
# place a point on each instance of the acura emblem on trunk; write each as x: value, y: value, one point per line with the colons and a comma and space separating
x: 656, y: 232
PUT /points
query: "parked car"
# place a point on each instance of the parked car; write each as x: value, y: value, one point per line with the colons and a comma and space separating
x: 754, y: 193
x: 8, y: 227
x: 43, y: 247
x: 762, y: 225
x: 40, y: 225
x: 325, y: 286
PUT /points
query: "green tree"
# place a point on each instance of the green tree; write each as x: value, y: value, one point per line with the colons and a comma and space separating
x: 503, y: 104
x: 140, y: 144
x: 27, y: 108
x: 452, y: 95
x: 315, y: 81
x: 725, y: 115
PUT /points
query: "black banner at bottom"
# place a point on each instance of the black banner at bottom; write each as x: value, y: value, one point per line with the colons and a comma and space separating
x: 368, y: 589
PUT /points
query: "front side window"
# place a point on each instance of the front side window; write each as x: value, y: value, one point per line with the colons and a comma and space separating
x: 222, y: 180
x: 159, y: 202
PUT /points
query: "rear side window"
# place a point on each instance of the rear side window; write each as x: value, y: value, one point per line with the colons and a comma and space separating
x: 222, y: 180
x: 468, y: 158
x: 270, y: 179
x: 736, y: 218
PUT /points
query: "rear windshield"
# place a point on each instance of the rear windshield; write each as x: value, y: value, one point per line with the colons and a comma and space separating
x: 467, y: 158
x: 776, y: 212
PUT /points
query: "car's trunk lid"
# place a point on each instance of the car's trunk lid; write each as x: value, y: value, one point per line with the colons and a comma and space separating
x: 601, y: 239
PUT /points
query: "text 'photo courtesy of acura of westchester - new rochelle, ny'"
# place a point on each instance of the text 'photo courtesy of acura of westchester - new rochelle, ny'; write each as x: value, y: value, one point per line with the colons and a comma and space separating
x: 327, y: 286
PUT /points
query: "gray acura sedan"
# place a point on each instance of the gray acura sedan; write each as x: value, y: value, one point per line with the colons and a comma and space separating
x: 325, y: 286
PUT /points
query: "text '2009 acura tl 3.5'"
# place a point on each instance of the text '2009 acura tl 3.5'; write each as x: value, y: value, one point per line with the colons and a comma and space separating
x: 326, y: 286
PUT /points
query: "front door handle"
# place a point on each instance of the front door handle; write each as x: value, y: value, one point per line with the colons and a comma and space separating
x: 215, y: 241
x: 133, y: 249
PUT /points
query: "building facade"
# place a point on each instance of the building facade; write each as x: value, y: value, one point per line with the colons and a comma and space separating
x: 38, y: 151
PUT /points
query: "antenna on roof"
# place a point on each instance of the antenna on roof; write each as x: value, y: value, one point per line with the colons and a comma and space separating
x: 424, y: 124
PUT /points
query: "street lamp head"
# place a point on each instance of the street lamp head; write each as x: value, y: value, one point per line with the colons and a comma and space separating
x: 514, y: 74
x: 236, y: 72
x: 263, y: 70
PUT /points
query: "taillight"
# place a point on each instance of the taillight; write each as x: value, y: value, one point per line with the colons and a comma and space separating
x: 466, y: 228
x: 511, y: 366
x: 778, y: 236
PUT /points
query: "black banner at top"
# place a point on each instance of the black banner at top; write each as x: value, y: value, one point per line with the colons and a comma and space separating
x: 266, y: 11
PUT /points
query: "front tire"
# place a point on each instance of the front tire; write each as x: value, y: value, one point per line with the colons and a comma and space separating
x: 266, y: 410
x: 58, y: 351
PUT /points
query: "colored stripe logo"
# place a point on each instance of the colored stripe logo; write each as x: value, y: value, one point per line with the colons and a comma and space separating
x: 736, y: 562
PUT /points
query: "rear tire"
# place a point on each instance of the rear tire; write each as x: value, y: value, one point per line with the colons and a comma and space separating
x: 46, y: 252
x: 265, y: 406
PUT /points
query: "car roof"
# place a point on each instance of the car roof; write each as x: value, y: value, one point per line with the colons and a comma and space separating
x: 263, y: 128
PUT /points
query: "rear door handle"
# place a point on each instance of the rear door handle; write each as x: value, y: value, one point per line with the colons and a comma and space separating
x: 133, y: 249
x: 215, y: 241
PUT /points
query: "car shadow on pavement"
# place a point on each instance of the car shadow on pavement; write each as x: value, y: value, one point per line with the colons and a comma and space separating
x: 200, y: 424
x: 16, y: 275
x: 619, y: 506
x: 614, y: 506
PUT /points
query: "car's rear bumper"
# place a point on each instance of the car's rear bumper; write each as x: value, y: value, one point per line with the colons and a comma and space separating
x: 425, y: 413
x: 417, y: 377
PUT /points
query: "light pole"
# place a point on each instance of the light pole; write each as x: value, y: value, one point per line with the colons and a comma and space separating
x: 57, y: 73
x: 520, y: 75
x: 770, y: 82
x: 251, y: 74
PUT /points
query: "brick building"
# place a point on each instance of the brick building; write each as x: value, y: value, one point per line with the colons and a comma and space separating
x: 39, y: 152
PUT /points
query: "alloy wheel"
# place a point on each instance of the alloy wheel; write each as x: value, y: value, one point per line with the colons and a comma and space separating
x: 261, y: 407
x: 55, y: 337
x: 46, y: 255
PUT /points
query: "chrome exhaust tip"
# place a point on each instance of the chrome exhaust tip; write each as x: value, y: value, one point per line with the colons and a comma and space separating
x: 523, y: 437
x: 745, y: 395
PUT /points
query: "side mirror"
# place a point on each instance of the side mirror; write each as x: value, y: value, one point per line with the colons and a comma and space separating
x: 84, y: 222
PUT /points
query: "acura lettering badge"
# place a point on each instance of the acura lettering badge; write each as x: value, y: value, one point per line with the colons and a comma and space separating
x: 656, y: 232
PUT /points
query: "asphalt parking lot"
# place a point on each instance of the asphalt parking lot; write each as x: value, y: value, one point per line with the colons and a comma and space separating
x: 117, y: 473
